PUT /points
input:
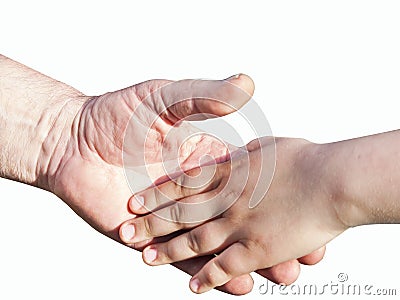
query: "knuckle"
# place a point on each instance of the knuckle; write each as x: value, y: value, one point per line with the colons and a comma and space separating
x: 221, y: 269
x: 209, y: 278
x: 176, y: 213
x: 201, y: 241
x: 194, y: 242
x: 216, y: 274
x: 171, y: 252
x: 157, y: 198
x: 257, y: 244
x: 148, y: 226
x: 206, y: 238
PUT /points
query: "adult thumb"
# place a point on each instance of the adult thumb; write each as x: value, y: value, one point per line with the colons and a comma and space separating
x: 197, y: 99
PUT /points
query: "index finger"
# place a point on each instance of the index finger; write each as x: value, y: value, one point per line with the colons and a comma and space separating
x: 196, y: 181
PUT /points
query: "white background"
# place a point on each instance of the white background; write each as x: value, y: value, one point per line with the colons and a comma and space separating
x: 324, y: 70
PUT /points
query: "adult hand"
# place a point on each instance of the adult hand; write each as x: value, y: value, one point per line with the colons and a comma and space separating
x: 58, y: 139
x: 86, y: 168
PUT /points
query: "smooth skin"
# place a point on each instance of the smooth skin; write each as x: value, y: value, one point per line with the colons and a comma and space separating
x: 317, y: 192
x: 58, y: 139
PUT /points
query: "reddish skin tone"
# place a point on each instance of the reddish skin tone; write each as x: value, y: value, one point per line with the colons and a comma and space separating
x: 58, y: 139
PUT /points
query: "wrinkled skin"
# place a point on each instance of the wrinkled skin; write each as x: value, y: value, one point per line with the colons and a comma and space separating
x: 85, y: 168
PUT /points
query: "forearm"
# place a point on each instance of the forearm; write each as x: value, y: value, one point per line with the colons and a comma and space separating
x: 366, y: 174
x: 30, y: 108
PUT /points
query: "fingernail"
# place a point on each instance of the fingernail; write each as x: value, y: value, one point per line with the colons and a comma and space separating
x: 128, y: 232
x: 283, y: 284
x: 234, y: 76
x: 150, y: 255
x: 137, y: 202
x: 195, y: 285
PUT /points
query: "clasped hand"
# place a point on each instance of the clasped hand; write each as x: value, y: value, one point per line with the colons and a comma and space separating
x: 211, y: 204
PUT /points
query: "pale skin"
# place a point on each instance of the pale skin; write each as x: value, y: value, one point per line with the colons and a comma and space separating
x: 317, y: 192
x: 58, y: 139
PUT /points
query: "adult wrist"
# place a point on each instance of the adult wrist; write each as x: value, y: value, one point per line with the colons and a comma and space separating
x: 32, y: 106
x: 57, y: 137
x: 29, y: 139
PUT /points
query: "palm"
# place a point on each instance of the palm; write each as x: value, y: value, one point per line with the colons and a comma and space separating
x: 91, y: 174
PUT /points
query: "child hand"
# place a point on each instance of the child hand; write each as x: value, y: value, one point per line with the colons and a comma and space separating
x: 297, y: 216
